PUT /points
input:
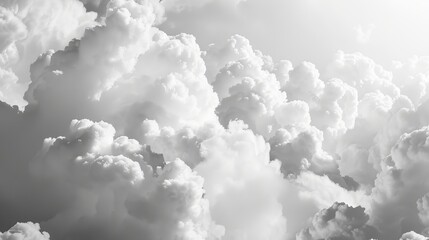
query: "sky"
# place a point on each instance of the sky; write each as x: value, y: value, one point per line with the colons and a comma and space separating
x: 214, y: 119
x: 312, y: 30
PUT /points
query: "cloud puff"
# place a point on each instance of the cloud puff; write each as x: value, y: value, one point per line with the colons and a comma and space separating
x: 402, y: 182
x: 300, y: 151
x: 256, y: 98
x: 127, y: 26
x: 280, y: 101
x: 333, y: 103
x: 140, y: 73
x: 412, y: 77
x: 12, y: 28
x: 412, y: 236
x: 25, y: 231
x: 249, y: 86
x: 242, y: 185
x: 184, y: 143
x: 308, y: 193
x: 30, y: 28
x: 423, y: 207
x: 363, y: 73
x: 175, y: 90
x: 340, y: 221
x: 113, y: 191
x: 89, y: 146
x: 363, y: 33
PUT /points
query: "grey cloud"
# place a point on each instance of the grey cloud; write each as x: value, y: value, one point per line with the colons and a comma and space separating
x: 339, y: 222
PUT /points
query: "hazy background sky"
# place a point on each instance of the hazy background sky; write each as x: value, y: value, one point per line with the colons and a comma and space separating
x: 312, y: 30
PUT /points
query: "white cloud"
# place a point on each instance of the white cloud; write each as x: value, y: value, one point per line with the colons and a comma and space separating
x: 243, y: 191
x: 363, y: 33
x: 25, y: 231
x: 423, y: 207
x: 401, y: 182
x: 113, y: 188
x: 412, y: 236
x: 29, y: 28
x: 185, y: 140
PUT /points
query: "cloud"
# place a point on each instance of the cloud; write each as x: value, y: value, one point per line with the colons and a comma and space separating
x: 30, y: 28
x: 243, y: 192
x: 249, y: 86
x: 25, y: 231
x: 127, y: 24
x: 70, y: 77
x: 179, y: 140
x: 412, y: 236
x: 12, y: 28
x: 412, y: 77
x: 166, y: 74
x: 300, y: 151
x: 355, y: 163
x: 401, y: 183
x: 113, y: 191
x: 340, y: 221
x: 245, y: 79
x: 423, y: 213
x: 363, y: 73
x: 363, y: 33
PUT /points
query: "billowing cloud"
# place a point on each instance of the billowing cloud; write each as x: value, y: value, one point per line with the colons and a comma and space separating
x: 243, y: 192
x: 423, y: 207
x: 113, y: 192
x: 29, y: 28
x: 412, y: 236
x: 25, y: 231
x: 179, y: 139
x: 364, y: 74
x: 402, y: 182
x: 301, y: 151
x: 340, y: 221
x: 140, y: 73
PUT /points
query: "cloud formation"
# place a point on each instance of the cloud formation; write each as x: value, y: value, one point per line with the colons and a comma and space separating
x: 124, y: 130
x: 113, y: 192
x: 29, y: 28
x: 339, y: 222
x: 25, y: 231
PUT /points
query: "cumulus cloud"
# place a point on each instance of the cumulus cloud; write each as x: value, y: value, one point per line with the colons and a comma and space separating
x: 340, y: 221
x: 113, y: 192
x: 181, y: 140
x: 412, y: 236
x: 402, y: 182
x: 423, y: 207
x: 140, y: 73
x: 29, y: 28
x: 243, y: 192
x: 301, y: 151
x: 412, y: 77
x: 364, y: 74
x: 25, y: 231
